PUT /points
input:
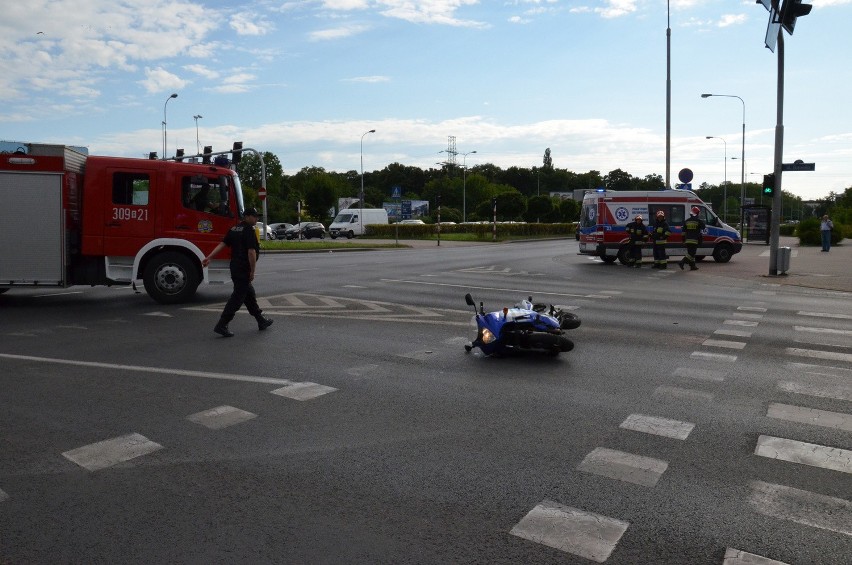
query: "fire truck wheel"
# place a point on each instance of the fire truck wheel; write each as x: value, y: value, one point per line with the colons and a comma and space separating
x: 171, y: 278
x: 623, y: 256
x: 607, y: 258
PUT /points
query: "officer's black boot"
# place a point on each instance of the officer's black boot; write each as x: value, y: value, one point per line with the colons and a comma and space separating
x: 262, y: 323
x: 222, y: 328
x: 693, y: 268
x: 680, y: 263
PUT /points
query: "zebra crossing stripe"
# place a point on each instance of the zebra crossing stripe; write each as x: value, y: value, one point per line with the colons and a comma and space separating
x: 220, y: 417
x: 735, y: 333
x: 700, y: 374
x: 802, y: 507
x: 823, y: 418
x: 832, y: 458
x: 744, y: 323
x: 579, y: 532
x: 825, y: 315
x: 713, y: 356
x: 740, y: 557
x: 838, y: 391
x: 723, y: 343
x: 657, y: 426
x: 622, y: 466
x: 303, y: 391
x: 819, y: 354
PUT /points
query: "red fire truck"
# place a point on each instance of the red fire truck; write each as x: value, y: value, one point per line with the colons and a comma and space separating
x: 68, y: 218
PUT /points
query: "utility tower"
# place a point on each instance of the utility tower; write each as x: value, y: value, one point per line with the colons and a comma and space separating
x: 451, y: 151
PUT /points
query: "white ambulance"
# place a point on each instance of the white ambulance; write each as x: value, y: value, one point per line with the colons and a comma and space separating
x: 606, y: 213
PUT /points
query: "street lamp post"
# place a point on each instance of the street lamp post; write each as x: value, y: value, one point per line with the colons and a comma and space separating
x: 174, y: 95
x: 196, y: 117
x: 742, y: 157
x: 464, y: 185
x: 725, y: 202
x: 361, y: 196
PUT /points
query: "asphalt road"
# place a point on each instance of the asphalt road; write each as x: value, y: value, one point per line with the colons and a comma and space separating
x: 701, y: 415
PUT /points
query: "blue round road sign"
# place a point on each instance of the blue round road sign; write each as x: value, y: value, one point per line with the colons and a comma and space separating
x: 685, y: 175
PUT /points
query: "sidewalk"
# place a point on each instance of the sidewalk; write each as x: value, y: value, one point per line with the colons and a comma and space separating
x: 809, y: 266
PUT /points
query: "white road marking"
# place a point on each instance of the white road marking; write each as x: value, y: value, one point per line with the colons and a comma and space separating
x: 735, y: 333
x: 802, y: 507
x: 825, y: 315
x: 822, y: 330
x: 743, y: 323
x: 700, y: 374
x: 571, y: 530
x: 622, y: 466
x: 3, y: 496
x: 724, y: 343
x: 158, y: 370
x: 748, y: 316
x: 812, y: 454
x: 107, y: 453
x: 740, y: 557
x: 657, y: 426
x: 818, y: 354
x: 751, y: 308
x: 514, y: 290
x: 303, y: 391
x: 823, y: 418
x: 221, y: 417
x: 713, y: 356
x: 839, y: 391
x: 683, y: 393
x: 818, y: 369
x: 160, y: 314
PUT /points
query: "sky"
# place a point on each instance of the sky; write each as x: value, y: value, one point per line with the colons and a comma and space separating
x: 504, y: 79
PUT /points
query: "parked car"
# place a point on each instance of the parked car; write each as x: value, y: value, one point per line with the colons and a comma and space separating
x: 307, y: 230
x: 279, y: 228
x: 411, y: 222
x: 270, y: 235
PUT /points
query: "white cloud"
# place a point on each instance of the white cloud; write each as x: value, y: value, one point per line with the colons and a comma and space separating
x: 370, y: 79
x: 617, y: 8
x: 161, y: 80
x: 338, y: 32
x: 249, y: 23
x: 732, y: 19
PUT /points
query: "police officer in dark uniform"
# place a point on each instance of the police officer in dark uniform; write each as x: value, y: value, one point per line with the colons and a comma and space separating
x: 245, y: 249
x: 638, y: 234
x: 692, y: 230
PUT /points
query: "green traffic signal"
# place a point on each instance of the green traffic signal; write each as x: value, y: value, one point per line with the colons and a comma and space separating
x: 769, y: 185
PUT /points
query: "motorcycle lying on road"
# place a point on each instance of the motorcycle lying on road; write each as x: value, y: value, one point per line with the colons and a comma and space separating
x: 524, y: 327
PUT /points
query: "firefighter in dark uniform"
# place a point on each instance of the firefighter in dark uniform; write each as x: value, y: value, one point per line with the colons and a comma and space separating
x: 693, y: 227
x: 245, y: 249
x: 660, y: 234
x: 638, y: 234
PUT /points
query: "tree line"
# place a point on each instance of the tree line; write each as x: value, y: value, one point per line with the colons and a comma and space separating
x: 522, y: 194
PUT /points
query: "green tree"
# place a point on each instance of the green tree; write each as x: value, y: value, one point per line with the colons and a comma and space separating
x: 539, y: 208
x: 618, y: 180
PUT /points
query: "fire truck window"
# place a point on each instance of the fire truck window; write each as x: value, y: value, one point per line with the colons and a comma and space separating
x: 130, y: 188
x: 204, y: 195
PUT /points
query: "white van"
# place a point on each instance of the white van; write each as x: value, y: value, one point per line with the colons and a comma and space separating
x: 353, y: 221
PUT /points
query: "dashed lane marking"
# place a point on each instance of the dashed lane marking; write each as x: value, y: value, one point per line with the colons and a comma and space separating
x: 751, y: 308
x: 803, y: 415
x: 157, y: 370
x: 743, y: 323
x: 221, y: 417
x: 658, y: 426
x: 739, y: 557
x: 822, y: 330
x: 104, y: 454
x: 793, y: 451
x: 623, y: 466
x: 802, y: 507
x: 303, y: 391
x: 748, y: 316
x: 589, y: 535
x: 734, y: 333
x: 837, y: 391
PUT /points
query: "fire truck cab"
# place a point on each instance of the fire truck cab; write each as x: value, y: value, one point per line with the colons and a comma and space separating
x: 68, y: 218
x: 606, y: 213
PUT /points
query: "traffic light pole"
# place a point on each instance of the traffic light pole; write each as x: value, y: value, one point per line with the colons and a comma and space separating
x: 775, y: 229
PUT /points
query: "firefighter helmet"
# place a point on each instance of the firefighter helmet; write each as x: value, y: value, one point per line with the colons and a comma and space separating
x: 661, y: 214
x: 638, y: 217
x: 695, y: 210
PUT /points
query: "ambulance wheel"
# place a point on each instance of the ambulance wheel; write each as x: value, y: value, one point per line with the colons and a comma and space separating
x: 723, y: 253
x: 171, y: 278
x: 624, y: 256
x: 607, y: 258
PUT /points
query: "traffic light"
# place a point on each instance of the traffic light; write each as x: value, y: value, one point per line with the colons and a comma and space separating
x: 205, y: 157
x: 179, y: 156
x: 769, y: 185
x: 790, y: 11
x: 237, y: 153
